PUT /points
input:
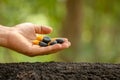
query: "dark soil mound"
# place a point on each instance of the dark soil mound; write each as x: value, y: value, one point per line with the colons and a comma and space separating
x: 59, y: 71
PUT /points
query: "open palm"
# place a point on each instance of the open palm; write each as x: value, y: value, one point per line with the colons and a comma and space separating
x: 21, y: 36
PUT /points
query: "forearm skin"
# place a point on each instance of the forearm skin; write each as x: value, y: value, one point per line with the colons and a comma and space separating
x: 4, y: 31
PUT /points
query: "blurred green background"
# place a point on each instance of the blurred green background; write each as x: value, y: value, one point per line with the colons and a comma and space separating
x: 92, y: 26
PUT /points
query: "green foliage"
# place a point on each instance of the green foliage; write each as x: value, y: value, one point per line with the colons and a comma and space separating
x: 100, y: 31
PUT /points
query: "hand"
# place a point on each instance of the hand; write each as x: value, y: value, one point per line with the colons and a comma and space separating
x: 21, y: 36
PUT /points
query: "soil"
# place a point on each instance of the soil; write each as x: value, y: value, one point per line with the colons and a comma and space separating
x: 59, y: 71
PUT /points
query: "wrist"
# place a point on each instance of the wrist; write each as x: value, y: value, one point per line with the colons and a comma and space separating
x: 4, y: 31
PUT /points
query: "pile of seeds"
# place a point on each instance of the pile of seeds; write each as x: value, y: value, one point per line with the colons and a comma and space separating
x: 44, y: 41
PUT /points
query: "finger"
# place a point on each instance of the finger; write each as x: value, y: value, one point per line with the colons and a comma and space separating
x: 37, y: 50
x: 38, y: 29
x: 66, y: 43
x: 42, y: 29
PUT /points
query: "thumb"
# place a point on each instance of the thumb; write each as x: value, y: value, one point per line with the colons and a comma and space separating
x: 42, y: 29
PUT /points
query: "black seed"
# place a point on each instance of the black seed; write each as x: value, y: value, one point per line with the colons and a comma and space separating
x: 60, y: 40
x: 43, y: 44
x: 46, y: 39
x: 53, y: 42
